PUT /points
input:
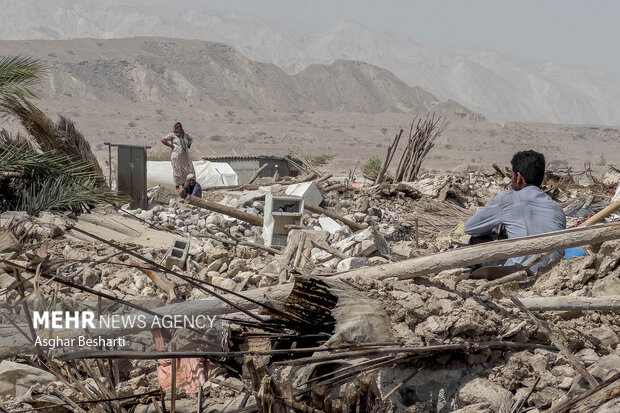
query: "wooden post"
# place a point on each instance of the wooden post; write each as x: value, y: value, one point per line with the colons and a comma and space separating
x: 566, y: 303
x: 222, y: 209
x: 388, y: 157
x: 595, y: 219
x: 500, y: 250
x: 253, y: 178
x: 318, y: 210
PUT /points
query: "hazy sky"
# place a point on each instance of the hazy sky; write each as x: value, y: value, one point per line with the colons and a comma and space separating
x: 582, y: 32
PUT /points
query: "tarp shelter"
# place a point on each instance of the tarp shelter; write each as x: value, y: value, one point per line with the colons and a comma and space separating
x: 228, y: 175
x: 207, y: 173
x: 616, y: 196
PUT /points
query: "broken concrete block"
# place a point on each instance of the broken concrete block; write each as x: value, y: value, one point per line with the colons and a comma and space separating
x: 484, y: 391
x: 605, y: 367
x: 402, y: 250
x: 607, y: 286
x: 352, y: 263
x: 16, y: 379
x: 177, y: 255
x: 375, y: 243
x: 307, y: 190
x: 329, y: 224
x: 91, y: 276
x: 226, y: 283
x: 606, y: 336
x: 543, y: 398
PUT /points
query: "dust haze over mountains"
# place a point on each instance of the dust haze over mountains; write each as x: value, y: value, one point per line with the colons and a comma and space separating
x: 270, y: 87
x: 502, y: 87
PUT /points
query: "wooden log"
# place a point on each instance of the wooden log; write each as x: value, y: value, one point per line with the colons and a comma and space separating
x: 391, y: 150
x: 609, y: 303
x: 595, y: 219
x: 323, y: 179
x: 222, y: 209
x: 160, y: 282
x: 500, y: 250
x: 300, y: 249
x: 334, y: 187
x: 318, y: 210
x: 328, y: 248
x: 422, y: 351
x: 499, y: 170
x: 253, y: 178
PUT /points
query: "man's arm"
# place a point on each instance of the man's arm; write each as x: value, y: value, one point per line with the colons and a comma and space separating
x: 487, y: 218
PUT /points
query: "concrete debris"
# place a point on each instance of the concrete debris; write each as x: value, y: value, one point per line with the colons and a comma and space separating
x: 329, y: 225
x: 486, y: 393
x: 17, y: 379
x: 496, y: 357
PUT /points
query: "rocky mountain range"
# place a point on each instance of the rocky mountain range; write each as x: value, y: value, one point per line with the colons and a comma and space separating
x: 503, y: 88
x: 193, y: 72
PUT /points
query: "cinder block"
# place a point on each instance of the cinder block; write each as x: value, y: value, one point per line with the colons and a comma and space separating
x: 177, y: 255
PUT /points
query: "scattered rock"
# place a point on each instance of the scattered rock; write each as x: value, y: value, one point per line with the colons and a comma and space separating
x: 486, y: 392
x: 352, y: 263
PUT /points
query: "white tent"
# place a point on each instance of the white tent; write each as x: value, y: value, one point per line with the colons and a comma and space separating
x: 229, y: 177
x: 617, y: 194
x: 207, y: 173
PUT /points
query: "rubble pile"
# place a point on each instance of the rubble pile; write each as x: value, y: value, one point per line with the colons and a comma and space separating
x: 464, y: 344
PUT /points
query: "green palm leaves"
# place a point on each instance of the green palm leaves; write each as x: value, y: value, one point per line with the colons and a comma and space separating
x: 52, y: 167
x: 17, y: 76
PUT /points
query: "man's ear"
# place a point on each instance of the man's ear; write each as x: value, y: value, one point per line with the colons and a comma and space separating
x: 521, y: 181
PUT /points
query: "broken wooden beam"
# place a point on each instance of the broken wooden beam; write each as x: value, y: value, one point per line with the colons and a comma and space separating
x: 334, y: 187
x: 595, y: 396
x: 253, y: 178
x: 222, y: 209
x: 499, y: 170
x: 492, y: 251
x: 566, y: 303
x: 601, y: 215
x: 351, y: 224
x: 328, y: 248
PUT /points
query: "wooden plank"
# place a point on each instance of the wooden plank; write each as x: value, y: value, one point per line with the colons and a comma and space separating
x: 500, y: 250
x: 222, y: 209
x: 318, y: 210
x: 609, y: 303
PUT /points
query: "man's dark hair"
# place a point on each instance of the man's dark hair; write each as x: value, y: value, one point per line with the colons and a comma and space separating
x: 531, y: 165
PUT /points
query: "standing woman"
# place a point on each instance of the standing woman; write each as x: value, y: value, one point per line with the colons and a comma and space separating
x: 180, y: 143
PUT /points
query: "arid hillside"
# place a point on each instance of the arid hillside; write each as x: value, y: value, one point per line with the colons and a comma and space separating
x: 133, y: 90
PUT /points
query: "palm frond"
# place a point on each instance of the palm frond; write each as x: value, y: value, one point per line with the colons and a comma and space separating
x: 59, y: 193
x: 33, y: 182
x: 46, y: 135
x: 17, y: 74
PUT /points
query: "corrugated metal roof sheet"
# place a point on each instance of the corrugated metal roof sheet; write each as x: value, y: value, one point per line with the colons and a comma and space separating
x: 228, y: 158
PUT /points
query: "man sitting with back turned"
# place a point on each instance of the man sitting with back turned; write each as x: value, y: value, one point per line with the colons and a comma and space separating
x: 191, y: 187
x: 525, y: 210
